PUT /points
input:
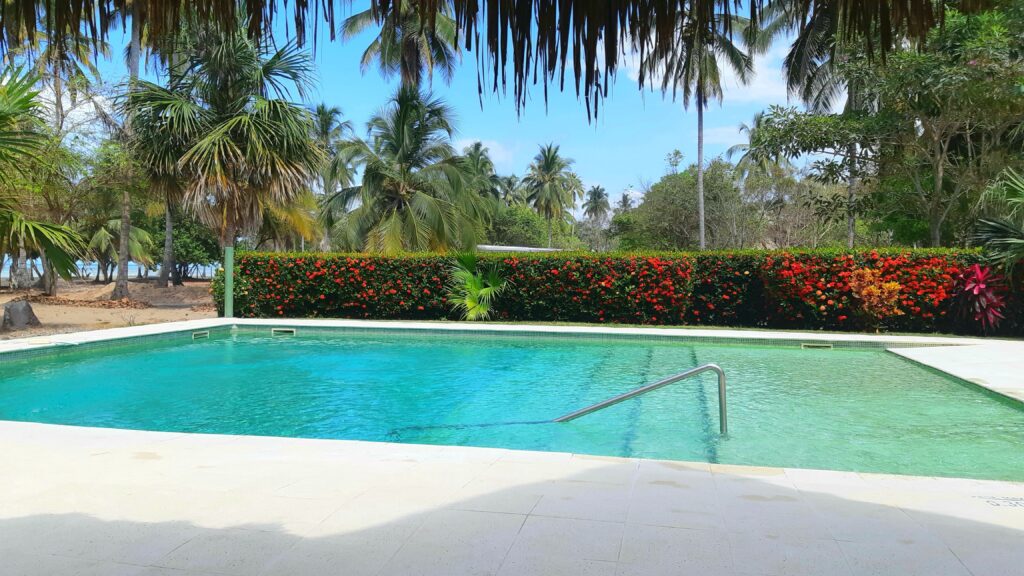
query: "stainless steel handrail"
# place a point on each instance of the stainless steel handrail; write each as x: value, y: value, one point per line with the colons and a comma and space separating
x: 723, y: 424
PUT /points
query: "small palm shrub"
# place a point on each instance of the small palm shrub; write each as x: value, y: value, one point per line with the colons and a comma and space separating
x: 472, y: 287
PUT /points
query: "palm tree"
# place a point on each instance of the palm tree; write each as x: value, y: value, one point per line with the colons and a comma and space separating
x: 625, y: 202
x: 812, y: 73
x: 329, y: 129
x: 596, y: 206
x: 750, y: 163
x: 552, y: 186
x: 1003, y: 236
x: 511, y: 191
x: 415, y: 194
x: 407, y: 45
x: 246, y: 146
x: 693, y: 67
x: 21, y: 139
x: 481, y: 169
x: 106, y: 242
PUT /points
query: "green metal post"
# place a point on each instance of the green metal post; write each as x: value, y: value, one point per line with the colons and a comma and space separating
x: 229, y: 282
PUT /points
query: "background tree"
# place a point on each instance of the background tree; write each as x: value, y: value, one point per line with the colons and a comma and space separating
x: 552, y: 186
x: 693, y: 67
x: 415, y: 193
x: 407, y: 45
x: 21, y: 138
x: 246, y: 147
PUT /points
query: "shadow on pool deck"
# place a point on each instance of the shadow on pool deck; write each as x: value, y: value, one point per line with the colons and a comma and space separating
x: 248, y: 506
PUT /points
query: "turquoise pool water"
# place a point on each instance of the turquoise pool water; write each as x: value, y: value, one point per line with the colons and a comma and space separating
x: 841, y: 409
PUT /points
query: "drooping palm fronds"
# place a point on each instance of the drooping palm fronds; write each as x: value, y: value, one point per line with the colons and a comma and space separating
x: 518, y: 41
x: 596, y: 205
x: 415, y: 192
x: 406, y: 46
x: 225, y: 131
x: 20, y: 137
x: 552, y: 187
x: 105, y: 242
x: 61, y: 245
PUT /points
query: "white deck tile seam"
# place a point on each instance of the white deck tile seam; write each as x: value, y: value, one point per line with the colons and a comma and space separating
x: 512, y: 544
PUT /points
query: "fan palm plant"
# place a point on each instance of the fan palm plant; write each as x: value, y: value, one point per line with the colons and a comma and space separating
x: 694, y: 67
x: 243, y: 146
x: 415, y: 193
x: 1003, y: 238
x: 229, y: 136
x: 472, y: 290
x: 406, y: 45
x: 552, y: 186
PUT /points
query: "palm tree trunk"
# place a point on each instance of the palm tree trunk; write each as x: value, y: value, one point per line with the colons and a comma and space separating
x: 549, y: 232
x: 851, y: 190
x: 20, y: 273
x: 134, y: 47
x: 168, y: 261
x: 700, y: 169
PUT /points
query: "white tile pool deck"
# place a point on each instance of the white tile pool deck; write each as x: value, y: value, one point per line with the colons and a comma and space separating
x: 91, y: 501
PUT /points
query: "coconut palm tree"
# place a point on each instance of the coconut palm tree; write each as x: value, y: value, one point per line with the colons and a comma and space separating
x: 415, y: 192
x: 749, y: 163
x: 625, y: 202
x: 596, y: 206
x: 406, y: 45
x: 812, y: 74
x: 552, y: 186
x: 511, y: 191
x: 481, y: 168
x: 245, y: 145
x: 21, y: 139
x: 694, y: 67
x: 329, y: 127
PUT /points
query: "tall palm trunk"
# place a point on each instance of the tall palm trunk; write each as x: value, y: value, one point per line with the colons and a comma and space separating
x: 168, y: 261
x: 700, y: 168
x: 121, y: 286
x: 549, y: 232
x: 851, y: 201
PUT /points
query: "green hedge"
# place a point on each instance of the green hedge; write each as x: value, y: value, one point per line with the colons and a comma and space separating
x: 804, y: 289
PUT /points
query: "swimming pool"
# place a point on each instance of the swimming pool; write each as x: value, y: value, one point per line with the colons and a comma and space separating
x: 861, y: 409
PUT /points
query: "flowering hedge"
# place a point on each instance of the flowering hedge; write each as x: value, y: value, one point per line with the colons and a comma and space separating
x: 792, y: 289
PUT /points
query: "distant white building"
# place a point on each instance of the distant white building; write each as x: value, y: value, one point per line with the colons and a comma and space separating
x: 492, y: 248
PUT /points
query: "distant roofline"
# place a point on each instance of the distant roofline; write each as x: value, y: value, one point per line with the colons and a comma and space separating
x: 493, y: 248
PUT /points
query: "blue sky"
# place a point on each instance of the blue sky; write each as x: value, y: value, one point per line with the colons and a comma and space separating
x: 623, y: 148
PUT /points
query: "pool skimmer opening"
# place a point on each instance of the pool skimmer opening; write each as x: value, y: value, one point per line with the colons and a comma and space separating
x: 282, y: 331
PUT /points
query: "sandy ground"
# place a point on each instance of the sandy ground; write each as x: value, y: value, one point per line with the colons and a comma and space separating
x: 187, y: 302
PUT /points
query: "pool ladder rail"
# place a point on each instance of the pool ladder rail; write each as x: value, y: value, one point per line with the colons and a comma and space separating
x: 723, y: 424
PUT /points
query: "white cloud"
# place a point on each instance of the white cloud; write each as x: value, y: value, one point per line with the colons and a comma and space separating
x: 766, y: 87
x: 723, y: 136
x: 503, y: 156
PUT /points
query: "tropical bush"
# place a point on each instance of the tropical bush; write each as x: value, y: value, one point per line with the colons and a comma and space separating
x: 902, y: 290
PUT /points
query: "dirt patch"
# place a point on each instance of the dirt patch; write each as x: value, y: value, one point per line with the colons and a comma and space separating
x: 87, y: 306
